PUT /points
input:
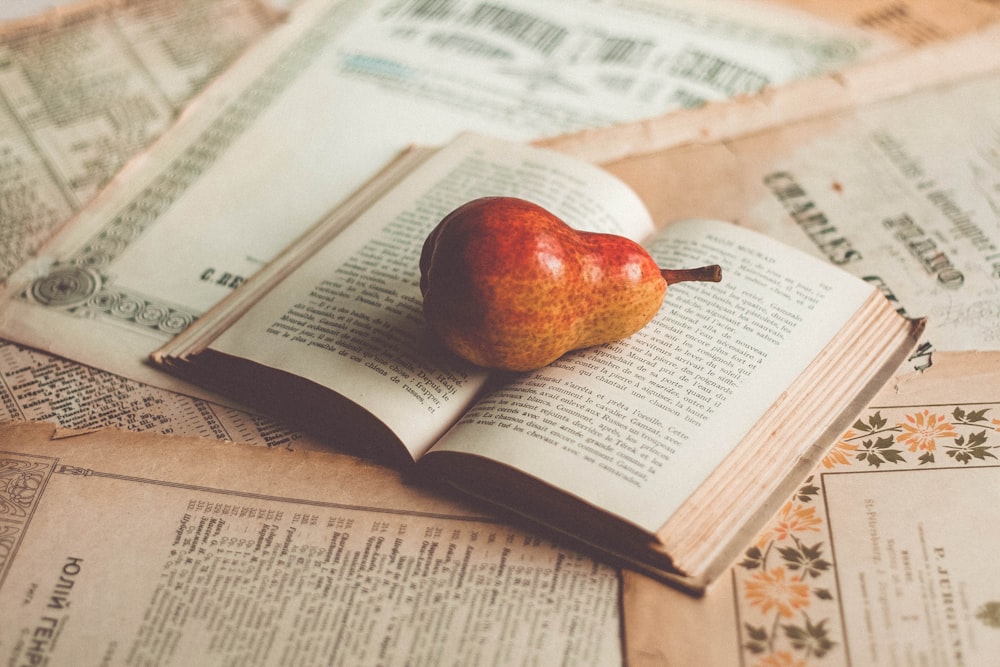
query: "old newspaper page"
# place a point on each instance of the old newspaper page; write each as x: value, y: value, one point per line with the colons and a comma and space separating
x: 86, y: 87
x: 889, y: 171
x: 885, y: 555
x: 264, y: 152
x: 65, y: 127
x: 119, y: 548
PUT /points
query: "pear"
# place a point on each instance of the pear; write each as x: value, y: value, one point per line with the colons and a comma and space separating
x: 507, y: 284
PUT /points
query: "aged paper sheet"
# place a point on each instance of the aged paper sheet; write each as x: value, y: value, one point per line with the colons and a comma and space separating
x: 264, y: 151
x: 885, y: 555
x: 118, y: 548
x: 860, y: 169
x: 65, y: 127
x: 86, y: 87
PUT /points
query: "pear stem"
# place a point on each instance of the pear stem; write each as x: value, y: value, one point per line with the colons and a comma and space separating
x: 705, y: 274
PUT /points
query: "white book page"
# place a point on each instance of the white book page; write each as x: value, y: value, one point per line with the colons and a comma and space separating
x: 634, y: 426
x: 350, y: 318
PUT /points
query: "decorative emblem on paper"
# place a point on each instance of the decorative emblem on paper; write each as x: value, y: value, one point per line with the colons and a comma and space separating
x: 84, y: 292
x: 65, y: 287
x: 20, y: 481
x: 787, y: 581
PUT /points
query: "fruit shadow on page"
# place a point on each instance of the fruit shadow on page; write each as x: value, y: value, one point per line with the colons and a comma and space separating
x: 304, y: 405
x: 332, y: 418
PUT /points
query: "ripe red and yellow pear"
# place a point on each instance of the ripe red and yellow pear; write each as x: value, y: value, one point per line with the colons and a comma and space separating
x: 507, y: 284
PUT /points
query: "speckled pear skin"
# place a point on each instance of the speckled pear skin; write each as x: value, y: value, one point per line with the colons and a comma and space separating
x: 506, y: 284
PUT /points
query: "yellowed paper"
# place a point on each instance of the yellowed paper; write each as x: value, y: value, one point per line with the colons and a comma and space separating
x: 883, y: 556
x: 67, y: 124
x: 86, y: 86
x: 859, y: 169
x: 117, y: 548
x: 719, y: 122
x: 915, y: 22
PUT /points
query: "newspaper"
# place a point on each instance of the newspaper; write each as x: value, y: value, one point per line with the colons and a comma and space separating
x: 86, y: 87
x: 332, y: 95
x: 119, y: 548
x: 889, y: 170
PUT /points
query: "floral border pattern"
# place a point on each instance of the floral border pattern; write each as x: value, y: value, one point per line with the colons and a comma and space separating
x: 786, y: 582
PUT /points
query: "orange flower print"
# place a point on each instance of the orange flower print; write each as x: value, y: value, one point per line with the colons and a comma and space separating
x: 841, y: 453
x: 780, y: 659
x: 996, y: 424
x: 775, y: 589
x: 791, y: 520
x: 923, y: 431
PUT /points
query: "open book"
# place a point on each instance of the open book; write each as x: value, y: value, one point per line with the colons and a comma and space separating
x: 668, y: 449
